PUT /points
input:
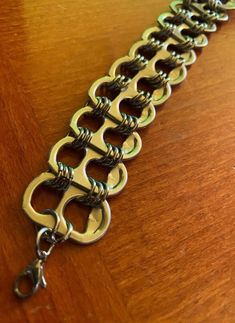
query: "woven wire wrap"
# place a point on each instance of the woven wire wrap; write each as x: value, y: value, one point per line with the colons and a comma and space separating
x: 102, y: 107
x: 182, y: 15
x: 137, y: 63
x: 168, y: 29
x: 82, y: 139
x: 159, y: 80
x: 174, y: 60
x: 64, y: 177
x: 141, y: 100
x: 187, y: 3
x: 214, y: 5
x: 198, y: 27
x: 128, y: 125
x: 154, y: 44
x: 113, y: 156
x: 119, y: 83
x: 93, y: 198
x: 188, y: 44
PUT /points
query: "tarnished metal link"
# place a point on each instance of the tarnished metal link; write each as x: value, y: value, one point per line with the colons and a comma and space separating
x: 102, y: 106
x: 159, y: 59
x: 185, y: 16
x: 215, y: 5
x: 141, y: 100
x: 128, y: 125
x: 187, y: 3
x: 182, y: 15
x: 97, y: 194
x: 63, y: 178
x: 192, y: 18
x: 174, y: 60
x: 119, y: 83
x: 113, y: 156
x: 154, y: 44
x: 82, y: 138
x: 206, y: 10
x: 185, y: 42
x: 168, y: 29
x: 137, y: 63
x: 188, y: 44
x: 160, y: 79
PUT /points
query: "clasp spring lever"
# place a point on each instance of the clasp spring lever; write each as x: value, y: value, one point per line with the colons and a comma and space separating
x: 34, y: 272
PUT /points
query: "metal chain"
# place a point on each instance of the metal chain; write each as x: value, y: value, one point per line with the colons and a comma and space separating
x: 160, y: 60
x: 35, y: 270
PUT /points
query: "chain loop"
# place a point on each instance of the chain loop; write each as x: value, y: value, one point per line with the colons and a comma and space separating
x: 113, y: 156
x: 35, y: 270
x: 97, y: 193
x: 82, y: 138
x: 63, y: 178
x: 137, y: 63
x: 128, y: 124
x: 102, y: 106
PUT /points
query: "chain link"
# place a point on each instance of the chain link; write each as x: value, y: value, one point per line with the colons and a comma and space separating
x: 35, y: 270
x: 171, y: 44
x: 160, y: 59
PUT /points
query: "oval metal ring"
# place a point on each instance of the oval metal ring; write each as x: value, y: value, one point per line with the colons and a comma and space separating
x: 221, y: 15
x: 81, y: 179
x: 117, y: 179
x: 122, y: 60
x: 80, y: 176
x: 137, y: 46
x: 178, y: 4
x: 95, y: 86
x: 52, y: 161
x: 209, y: 15
x: 178, y: 75
x: 77, y: 115
x: 161, y: 95
x: 131, y: 146
x: 45, y: 220
x: 98, y: 221
x: 189, y: 56
x: 42, y: 254
x: 199, y: 41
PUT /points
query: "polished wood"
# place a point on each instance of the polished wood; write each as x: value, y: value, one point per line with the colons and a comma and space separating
x: 169, y: 253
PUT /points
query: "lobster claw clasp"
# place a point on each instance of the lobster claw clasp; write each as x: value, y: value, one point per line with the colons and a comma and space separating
x: 34, y: 272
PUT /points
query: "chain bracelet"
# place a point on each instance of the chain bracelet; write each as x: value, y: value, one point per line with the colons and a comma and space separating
x: 159, y: 61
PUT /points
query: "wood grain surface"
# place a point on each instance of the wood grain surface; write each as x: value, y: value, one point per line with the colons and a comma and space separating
x: 169, y: 255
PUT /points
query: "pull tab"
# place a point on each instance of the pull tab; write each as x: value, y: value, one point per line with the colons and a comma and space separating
x: 34, y: 272
x: 229, y: 5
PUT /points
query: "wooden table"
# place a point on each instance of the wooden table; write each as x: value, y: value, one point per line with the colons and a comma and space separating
x: 169, y: 253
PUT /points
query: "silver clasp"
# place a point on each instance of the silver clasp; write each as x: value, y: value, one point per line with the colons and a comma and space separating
x: 34, y: 272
